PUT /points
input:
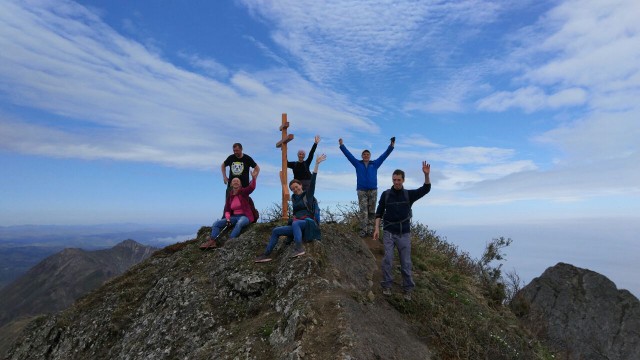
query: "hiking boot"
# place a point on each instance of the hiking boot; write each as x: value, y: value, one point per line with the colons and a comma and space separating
x: 262, y: 258
x: 386, y: 291
x: 407, y: 296
x: 210, y: 244
x: 297, y: 252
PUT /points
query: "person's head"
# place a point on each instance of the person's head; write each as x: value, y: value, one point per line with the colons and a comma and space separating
x: 398, y: 179
x: 236, y: 184
x: 301, y: 155
x: 295, y: 186
x: 366, y: 155
x: 237, y: 150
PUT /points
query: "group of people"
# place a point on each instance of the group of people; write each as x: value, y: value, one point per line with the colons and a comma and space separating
x: 393, y: 209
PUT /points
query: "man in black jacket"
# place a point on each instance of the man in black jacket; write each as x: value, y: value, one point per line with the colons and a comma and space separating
x: 394, y: 208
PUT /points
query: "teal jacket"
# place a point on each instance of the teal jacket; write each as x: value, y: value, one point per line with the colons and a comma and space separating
x: 311, y: 231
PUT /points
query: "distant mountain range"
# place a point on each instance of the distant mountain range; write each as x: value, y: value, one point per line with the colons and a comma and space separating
x: 23, y: 246
x: 59, y: 280
x: 16, y: 261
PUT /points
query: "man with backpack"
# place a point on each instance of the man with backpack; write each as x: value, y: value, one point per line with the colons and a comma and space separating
x: 304, y: 225
x: 394, y: 209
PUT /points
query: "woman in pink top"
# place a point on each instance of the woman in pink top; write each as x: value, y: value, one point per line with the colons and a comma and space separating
x: 237, y: 211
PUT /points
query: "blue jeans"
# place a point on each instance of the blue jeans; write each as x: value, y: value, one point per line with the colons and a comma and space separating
x: 295, y: 230
x: 239, y: 221
x: 403, y: 243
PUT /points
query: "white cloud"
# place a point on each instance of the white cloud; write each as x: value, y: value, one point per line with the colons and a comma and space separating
x: 532, y: 99
x: 64, y: 61
x: 330, y: 38
x: 210, y: 66
x: 472, y: 155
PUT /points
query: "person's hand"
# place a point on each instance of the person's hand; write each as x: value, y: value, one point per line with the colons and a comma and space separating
x: 393, y: 141
x: 426, y: 168
x: 255, y: 172
x: 225, y: 179
x: 228, y: 222
x: 316, y: 139
x: 376, y: 233
x: 321, y: 158
x: 340, y: 141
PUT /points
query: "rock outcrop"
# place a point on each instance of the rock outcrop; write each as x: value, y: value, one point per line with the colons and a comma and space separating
x: 581, y: 314
x: 218, y: 304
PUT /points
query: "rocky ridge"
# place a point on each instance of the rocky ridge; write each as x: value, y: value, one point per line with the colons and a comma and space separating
x: 185, y: 303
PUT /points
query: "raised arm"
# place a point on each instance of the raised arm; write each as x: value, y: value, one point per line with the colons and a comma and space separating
x: 386, y: 153
x: 426, y: 169
x: 319, y: 159
x: 313, y: 150
x: 423, y: 190
x: 347, y: 153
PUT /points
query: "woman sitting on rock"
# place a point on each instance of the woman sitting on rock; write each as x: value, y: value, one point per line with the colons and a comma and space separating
x: 237, y: 211
x: 303, y: 223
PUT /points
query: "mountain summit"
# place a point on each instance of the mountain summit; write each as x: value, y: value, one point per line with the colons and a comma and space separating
x: 185, y: 303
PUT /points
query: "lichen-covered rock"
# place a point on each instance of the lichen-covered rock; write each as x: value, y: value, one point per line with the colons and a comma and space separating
x: 581, y: 314
x: 185, y: 303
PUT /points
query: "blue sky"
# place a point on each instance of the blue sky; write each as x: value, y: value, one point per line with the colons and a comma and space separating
x: 528, y: 111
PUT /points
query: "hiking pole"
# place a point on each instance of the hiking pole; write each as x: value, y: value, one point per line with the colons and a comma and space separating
x: 211, y: 244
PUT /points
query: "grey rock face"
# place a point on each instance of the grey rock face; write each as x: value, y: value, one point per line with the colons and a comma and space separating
x: 582, y: 314
x: 185, y: 303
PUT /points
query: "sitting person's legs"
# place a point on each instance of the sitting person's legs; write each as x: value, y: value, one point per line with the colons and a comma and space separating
x: 298, y: 226
x: 239, y: 222
x: 275, y: 234
x: 217, y: 227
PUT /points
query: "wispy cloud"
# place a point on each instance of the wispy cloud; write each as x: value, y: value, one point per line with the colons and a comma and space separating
x: 64, y: 61
x: 330, y: 38
x: 209, y: 66
x: 532, y: 99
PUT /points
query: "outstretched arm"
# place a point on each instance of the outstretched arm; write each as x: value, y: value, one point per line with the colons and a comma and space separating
x: 347, y: 153
x: 312, y: 186
x: 312, y: 151
x: 386, y: 153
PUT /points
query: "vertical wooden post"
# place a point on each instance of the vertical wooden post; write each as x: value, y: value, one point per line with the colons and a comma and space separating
x: 283, y: 172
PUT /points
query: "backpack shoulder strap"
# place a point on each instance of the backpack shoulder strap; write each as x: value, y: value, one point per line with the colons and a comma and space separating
x: 311, y: 209
x: 405, y: 192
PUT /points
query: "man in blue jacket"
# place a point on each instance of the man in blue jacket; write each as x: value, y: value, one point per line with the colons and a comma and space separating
x: 394, y: 208
x: 367, y: 184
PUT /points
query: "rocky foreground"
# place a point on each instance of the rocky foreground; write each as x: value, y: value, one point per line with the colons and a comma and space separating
x: 184, y: 303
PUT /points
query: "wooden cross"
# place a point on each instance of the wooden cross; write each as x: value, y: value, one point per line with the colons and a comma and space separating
x: 283, y: 173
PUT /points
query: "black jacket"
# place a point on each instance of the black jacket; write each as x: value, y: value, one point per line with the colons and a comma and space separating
x: 396, y: 211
